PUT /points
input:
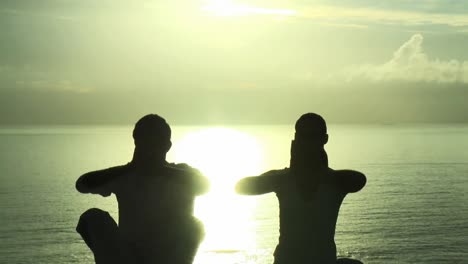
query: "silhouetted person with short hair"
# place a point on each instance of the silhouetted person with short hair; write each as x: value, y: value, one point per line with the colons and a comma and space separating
x: 156, y: 203
x: 309, y: 194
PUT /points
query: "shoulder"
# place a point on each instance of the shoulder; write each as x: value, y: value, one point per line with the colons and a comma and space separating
x: 276, y: 173
x: 179, y: 166
x: 111, y: 171
x: 119, y: 170
x: 101, y: 181
x: 191, y: 177
x: 348, y: 173
x: 349, y: 180
x: 181, y: 169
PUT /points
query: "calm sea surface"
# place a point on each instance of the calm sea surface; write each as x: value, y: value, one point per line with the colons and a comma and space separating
x: 414, y: 208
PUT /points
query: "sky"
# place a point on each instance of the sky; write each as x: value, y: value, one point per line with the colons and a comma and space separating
x: 233, y: 62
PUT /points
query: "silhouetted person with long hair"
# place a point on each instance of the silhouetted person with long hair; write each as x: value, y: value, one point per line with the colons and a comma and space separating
x: 155, y: 198
x: 309, y: 194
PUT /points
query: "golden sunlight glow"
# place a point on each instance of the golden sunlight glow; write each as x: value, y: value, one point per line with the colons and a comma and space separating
x: 224, y: 156
x: 229, y: 8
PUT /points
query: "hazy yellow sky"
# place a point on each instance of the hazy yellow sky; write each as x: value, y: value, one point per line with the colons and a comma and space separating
x: 220, y: 61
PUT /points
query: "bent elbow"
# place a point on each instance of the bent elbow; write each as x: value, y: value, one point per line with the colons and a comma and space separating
x: 205, y: 188
x: 238, y: 188
x: 243, y: 188
x: 80, y: 186
x: 360, y: 182
x: 364, y: 180
x: 202, y: 187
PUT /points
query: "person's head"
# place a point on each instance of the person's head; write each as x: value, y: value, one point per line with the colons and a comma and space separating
x: 307, y: 148
x: 152, y: 136
x: 311, y: 130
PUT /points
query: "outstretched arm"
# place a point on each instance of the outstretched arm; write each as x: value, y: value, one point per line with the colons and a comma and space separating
x: 99, y: 182
x: 265, y: 183
x: 350, y: 181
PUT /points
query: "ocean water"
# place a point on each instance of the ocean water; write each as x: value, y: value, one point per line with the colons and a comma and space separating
x: 414, y: 208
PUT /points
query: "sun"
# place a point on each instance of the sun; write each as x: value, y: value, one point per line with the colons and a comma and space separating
x: 225, y: 8
x: 224, y: 156
x: 231, y: 8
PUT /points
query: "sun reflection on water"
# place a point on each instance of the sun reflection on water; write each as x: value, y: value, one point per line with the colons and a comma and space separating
x: 224, y: 156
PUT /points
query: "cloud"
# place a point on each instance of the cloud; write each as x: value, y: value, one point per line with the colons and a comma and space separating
x: 359, y: 15
x: 411, y: 64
